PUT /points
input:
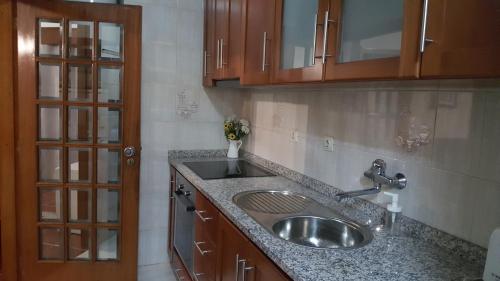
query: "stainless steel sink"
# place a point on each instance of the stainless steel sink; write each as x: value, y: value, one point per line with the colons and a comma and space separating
x: 302, y: 220
x: 322, y: 233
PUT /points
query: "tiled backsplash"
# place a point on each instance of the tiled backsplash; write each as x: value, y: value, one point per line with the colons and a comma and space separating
x: 454, y: 179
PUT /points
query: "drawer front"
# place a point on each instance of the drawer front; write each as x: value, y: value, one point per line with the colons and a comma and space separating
x: 179, y: 270
x: 206, y: 218
x: 204, y: 260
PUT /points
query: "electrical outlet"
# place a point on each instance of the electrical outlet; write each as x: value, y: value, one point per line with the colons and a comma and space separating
x: 295, y: 136
x: 328, y: 143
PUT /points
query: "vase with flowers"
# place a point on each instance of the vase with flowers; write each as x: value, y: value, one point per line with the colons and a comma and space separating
x: 235, y: 130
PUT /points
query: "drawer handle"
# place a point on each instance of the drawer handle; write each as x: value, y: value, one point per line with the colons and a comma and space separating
x: 177, y: 274
x: 202, y: 252
x: 197, y: 274
x: 202, y: 218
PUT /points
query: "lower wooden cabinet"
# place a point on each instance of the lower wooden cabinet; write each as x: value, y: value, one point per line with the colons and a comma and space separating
x: 220, y: 251
x: 240, y: 260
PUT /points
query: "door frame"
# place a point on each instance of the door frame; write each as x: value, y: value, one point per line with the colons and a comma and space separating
x: 8, y: 82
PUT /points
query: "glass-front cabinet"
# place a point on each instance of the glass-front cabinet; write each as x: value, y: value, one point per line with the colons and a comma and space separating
x: 346, y: 39
x: 299, y: 44
x: 372, y: 39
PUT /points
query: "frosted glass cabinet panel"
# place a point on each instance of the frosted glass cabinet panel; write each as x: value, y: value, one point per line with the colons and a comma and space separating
x: 298, y: 33
x: 370, y: 30
x: 299, y: 42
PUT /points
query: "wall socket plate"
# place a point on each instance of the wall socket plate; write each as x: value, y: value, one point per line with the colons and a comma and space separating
x: 328, y: 143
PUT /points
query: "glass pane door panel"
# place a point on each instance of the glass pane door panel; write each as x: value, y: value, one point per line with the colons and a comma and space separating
x: 370, y: 29
x: 110, y: 84
x: 109, y: 125
x: 79, y: 244
x: 298, y: 27
x: 49, y: 119
x: 107, y: 244
x: 50, y: 204
x: 108, y: 205
x: 110, y: 41
x: 49, y: 37
x: 81, y: 35
x: 80, y: 205
x: 51, y: 243
x: 80, y: 83
x: 49, y: 81
x: 49, y: 164
x: 80, y: 165
x: 108, y: 166
x: 80, y: 124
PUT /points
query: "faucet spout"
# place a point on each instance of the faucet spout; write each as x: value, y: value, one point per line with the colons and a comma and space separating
x: 344, y: 195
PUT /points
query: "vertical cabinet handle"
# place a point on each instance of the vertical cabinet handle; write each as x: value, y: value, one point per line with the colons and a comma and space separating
x: 313, y: 62
x: 218, y: 54
x: 237, y: 267
x: 245, y: 270
x: 221, y: 52
x: 325, y: 36
x: 205, y: 64
x: 423, y: 34
x: 264, y: 51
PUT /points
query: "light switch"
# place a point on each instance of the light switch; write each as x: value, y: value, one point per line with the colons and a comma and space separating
x: 328, y: 143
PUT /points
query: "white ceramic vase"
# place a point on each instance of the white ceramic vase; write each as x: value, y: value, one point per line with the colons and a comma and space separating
x: 234, y: 147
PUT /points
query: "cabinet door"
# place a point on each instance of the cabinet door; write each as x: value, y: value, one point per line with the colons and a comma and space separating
x: 221, y: 36
x: 259, y: 268
x: 299, y: 40
x: 231, y: 251
x: 372, y: 39
x: 257, y: 45
x: 231, y: 49
x: 463, y: 39
x: 209, y: 44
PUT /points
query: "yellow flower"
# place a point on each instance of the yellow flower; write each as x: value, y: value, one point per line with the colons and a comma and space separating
x: 231, y: 136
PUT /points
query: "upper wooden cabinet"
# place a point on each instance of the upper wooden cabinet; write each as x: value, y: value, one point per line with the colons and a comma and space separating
x: 298, y: 46
x: 228, y: 38
x: 258, y: 27
x: 290, y: 41
x: 209, y: 48
x: 462, y: 39
x: 371, y: 39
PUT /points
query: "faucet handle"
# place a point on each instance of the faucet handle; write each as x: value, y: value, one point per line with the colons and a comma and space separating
x: 379, y: 166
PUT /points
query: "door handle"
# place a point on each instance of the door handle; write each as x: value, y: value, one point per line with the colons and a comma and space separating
x: 313, y: 62
x: 264, y: 52
x: 325, y: 36
x: 423, y: 34
x: 246, y: 269
x: 129, y: 151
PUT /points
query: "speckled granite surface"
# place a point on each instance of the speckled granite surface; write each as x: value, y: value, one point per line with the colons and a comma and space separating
x: 419, y: 254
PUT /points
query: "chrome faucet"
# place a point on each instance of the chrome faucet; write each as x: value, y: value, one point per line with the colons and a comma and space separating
x: 377, y: 174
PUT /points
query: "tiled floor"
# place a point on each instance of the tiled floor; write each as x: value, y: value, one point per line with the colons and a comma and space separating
x: 156, y: 272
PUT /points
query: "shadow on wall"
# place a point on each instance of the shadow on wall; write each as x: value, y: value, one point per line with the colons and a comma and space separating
x: 443, y: 135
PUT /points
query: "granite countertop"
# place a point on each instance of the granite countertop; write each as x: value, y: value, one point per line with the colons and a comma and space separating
x: 385, y: 258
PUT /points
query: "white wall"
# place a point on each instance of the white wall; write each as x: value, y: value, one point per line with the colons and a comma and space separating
x: 454, y: 181
x: 177, y: 113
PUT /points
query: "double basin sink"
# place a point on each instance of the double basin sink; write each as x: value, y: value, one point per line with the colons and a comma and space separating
x: 302, y: 220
